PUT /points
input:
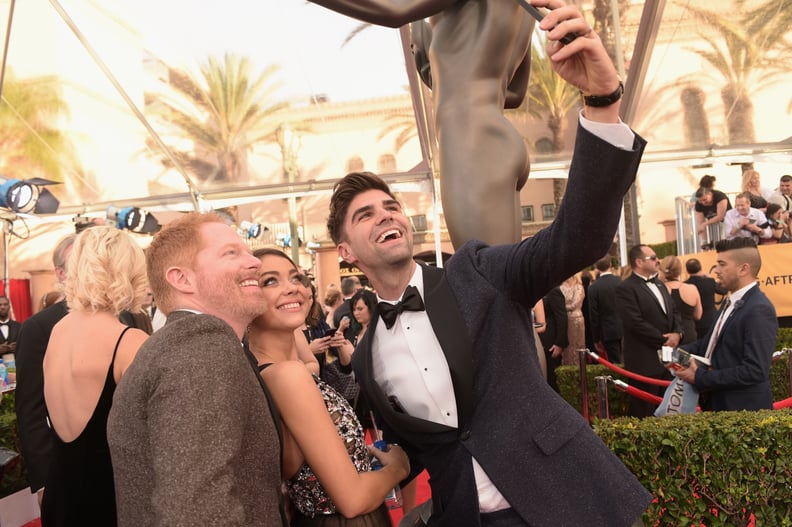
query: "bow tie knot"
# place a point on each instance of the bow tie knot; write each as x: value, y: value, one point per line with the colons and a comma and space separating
x: 411, y: 301
x: 651, y: 280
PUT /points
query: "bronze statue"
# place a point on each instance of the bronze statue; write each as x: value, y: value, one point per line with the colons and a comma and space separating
x: 479, y: 54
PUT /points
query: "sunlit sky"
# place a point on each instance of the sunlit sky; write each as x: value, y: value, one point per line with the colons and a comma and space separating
x: 305, y: 39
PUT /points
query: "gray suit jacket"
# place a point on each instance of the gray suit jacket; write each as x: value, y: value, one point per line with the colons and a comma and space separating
x: 191, y: 435
x: 538, y: 451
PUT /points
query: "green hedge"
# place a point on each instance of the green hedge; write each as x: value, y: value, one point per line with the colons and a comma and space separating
x: 13, y: 477
x: 568, y: 381
x: 714, y: 468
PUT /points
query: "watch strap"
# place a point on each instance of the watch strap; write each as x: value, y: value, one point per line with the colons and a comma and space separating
x: 601, y: 101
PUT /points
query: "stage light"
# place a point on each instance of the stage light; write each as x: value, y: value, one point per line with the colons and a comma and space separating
x: 28, y: 195
x: 133, y: 219
x: 251, y: 230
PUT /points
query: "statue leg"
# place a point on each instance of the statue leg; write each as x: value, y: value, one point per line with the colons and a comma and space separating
x: 483, y: 161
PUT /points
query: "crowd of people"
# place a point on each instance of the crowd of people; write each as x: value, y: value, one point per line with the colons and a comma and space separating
x: 652, y: 305
x: 759, y: 212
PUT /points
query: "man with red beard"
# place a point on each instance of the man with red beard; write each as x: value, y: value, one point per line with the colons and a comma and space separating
x: 191, y: 435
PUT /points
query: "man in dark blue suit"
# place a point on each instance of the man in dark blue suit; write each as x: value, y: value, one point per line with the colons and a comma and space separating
x: 448, y: 362
x: 741, y: 341
x: 606, y: 325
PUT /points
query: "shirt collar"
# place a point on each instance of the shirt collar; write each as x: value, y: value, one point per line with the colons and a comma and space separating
x: 737, y: 295
x: 416, y: 280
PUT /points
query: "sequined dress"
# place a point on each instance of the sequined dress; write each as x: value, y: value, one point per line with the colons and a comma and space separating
x: 314, y: 507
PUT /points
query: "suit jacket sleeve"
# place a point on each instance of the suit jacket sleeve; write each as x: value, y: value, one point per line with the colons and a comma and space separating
x: 35, y: 436
x: 751, y: 340
x: 599, y: 176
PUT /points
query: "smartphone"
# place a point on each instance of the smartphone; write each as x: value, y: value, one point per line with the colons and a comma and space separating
x: 539, y: 16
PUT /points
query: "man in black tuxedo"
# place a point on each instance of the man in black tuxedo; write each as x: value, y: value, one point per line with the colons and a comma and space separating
x: 9, y: 329
x: 741, y: 341
x: 349, y: 286
x: 458, y: 384
x: 35, y: 436
x: 606, y: 325
x: 707, y: 288
x: 650, y: 322
x: 555, y: 337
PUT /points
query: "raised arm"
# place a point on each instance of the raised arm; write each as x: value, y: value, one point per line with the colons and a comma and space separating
x: 389, y: 13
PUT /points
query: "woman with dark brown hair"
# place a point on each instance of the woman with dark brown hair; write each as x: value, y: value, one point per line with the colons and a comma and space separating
x: 325, y: 460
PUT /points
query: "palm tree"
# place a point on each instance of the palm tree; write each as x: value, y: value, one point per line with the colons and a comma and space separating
x: 29, y: 145
x: 550, y: 97
x: 603, y: 24
x: 223, y: 113
x: 744, y: 54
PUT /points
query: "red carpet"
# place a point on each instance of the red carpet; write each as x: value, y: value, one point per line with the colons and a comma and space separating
x: 422, y: 493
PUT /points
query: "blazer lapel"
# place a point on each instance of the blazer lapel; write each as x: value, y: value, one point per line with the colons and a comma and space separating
x: 450, y: 329
x: 414, y: 430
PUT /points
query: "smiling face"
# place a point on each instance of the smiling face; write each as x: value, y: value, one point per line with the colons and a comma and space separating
x: 376, y: 234
x: 286, y: 292
x: 743, y: 205
x: 785, y: 187
x: 226, y: 276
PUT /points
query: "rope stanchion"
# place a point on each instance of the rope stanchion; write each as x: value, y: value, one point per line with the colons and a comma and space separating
x: 627, y: 373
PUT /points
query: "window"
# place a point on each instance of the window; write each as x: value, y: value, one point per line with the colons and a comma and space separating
x: 526, y: 212
x: 418, y: 222
x: 548, y: 211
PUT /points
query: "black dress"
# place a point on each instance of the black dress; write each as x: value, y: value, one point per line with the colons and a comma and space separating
x: 79, y: 488
x: 686, y: 314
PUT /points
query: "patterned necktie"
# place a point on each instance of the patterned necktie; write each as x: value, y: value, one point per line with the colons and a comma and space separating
x: 411, y: 301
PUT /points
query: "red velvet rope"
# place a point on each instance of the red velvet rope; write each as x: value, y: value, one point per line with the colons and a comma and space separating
x: 635, y: 392
x: 786, y: 403
x: 629, y: 374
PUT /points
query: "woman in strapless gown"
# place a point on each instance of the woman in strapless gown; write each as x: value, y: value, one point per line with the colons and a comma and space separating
x: 326, y: 462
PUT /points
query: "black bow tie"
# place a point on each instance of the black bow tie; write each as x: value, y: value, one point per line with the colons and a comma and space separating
x: 651, y: 280
x: 410, y: 302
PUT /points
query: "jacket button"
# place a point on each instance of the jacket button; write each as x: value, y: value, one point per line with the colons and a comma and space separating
x: 465, y: 435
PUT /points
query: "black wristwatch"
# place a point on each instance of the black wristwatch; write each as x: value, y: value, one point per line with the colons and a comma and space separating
x: 602, y: 101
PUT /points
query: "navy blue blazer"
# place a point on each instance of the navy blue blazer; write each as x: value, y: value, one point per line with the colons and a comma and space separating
x: 739, y: 378
x: 537, y: 450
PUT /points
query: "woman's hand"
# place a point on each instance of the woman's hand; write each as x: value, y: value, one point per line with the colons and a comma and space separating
x: 320, y: 345
x: 394, y: 458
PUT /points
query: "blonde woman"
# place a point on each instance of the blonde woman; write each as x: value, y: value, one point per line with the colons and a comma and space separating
x: 88, y: 353
x: 753, y: 186
x: 685, y: 296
